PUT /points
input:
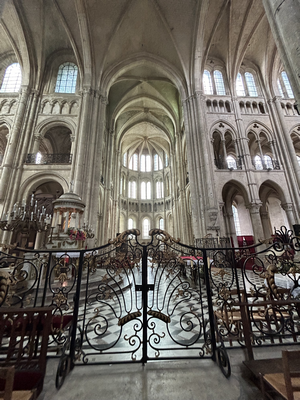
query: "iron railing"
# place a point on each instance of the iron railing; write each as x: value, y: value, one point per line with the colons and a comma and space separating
x: 131, y: 301
x: 40, y: 159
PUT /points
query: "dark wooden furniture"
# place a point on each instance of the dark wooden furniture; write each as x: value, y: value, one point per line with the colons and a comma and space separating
x: 7, y: 375
x: 24, y: 334
x: 286, y: 380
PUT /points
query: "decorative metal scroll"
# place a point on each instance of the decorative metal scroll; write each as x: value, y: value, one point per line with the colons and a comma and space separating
x: 256, y: 292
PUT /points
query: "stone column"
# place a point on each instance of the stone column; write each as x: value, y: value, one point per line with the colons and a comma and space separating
x: 36, y: 144
x: 225, y: 154
x: 258, y: 231
x: 81, y: 155
x: 289, y: 210
x: 231, y: 227
x: 14, y: 138
x: 265, y: 220
x: 284, y: 17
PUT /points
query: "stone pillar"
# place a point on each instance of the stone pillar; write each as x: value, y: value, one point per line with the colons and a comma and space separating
x: 225, y: 154
x: 36, y: 143
x: 257, y: 227
x: 261, y: 153
x: 231, y: 227
x: 289, y: 210
x: 14, y: 138
x: 221, y: 220
x: 81, y: 155
x: 265, y: 220
x: 284, y: 17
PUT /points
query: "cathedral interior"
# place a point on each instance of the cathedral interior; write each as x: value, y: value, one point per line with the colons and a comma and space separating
x: 157, y: 114
x: 177, y: 115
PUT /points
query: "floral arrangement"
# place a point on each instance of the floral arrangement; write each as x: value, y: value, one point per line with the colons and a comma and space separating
x: 76, y: 234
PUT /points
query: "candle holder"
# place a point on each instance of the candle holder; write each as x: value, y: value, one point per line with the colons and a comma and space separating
x: 26, y: 217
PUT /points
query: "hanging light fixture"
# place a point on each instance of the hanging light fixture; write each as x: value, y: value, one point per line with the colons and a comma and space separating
x: 26, y: 217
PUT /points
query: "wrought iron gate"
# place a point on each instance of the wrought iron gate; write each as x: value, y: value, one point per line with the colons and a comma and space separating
x: 142, y: 301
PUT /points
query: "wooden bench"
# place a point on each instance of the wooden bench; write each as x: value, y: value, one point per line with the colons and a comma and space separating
x: 286, y: 382
x: 24, y: 334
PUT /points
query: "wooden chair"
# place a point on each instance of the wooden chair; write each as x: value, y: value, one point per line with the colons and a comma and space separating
x: 286, y: 383
x: 24, y: 334
x: 7, y: 375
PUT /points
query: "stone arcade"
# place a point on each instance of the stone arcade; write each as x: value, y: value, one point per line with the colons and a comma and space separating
x: 179, y: 115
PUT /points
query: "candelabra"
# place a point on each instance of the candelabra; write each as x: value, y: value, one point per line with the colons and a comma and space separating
x: 26, y: 217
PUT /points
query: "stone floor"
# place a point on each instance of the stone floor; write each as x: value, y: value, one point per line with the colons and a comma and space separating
x: 161, y: 380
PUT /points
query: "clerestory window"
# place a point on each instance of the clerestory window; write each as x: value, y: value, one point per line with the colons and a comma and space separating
x: 12, y: 79
x: 66, y: 78
x: 219, y: 83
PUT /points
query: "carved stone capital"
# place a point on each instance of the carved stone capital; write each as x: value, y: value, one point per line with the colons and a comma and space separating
x: 287, y: 206
x: 254, y: 207
x: 72, y: 138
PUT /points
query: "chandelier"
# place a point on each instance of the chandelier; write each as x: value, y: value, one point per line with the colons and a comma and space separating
x: 26, y: 217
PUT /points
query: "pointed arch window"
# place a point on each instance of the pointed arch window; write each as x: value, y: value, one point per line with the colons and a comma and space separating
x: 146, y: 228
x: 268, y: 162
x: 207, y: 83
x: 280, y: 88
x: 145, y: 190
x: 130, y: 223
x: 287, y: 85
x: 133, y: 163
x: 258, y: 163
x: 251, y: 84
x: 236, y: 220
x: 240, y: 89
x: 231, y: 163
x: 38, y: 158
x: 161, y: 223
x: 12, y: 79
x: 219, y: 82
x: 66, y: 78
x: 132, y: 189
x: 145, y: 163
x: 159, y: 189
x: 125, y: 159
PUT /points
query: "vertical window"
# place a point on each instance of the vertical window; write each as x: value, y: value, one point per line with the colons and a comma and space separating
x: 66, y: 78
x: 287, y: 85
x: 145, y: 190
x: 298, y: 159
x: 12, y: 79
x: 159, y: 190
x: 130, y: 223
x: 146, y: 227
x: 148, y: 190
x: 207, y: 83
x: 38, y: 158
x: 231, y: 163
x: 236, y: 221
x: 219, y: 82
x: 132, y: 189
x: 155, y: 162
x: 166, y: 160
x: 145, y: 163
x: 125, y: 159
x: 251, y: 84
x: 240, y: 90
x: 158, y: 164
x: 121, y: 185
x: 161, y: 223
x: 258, y: 163
x: 280, y: 88
x: 268, y: 162
x: 133, y: 163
